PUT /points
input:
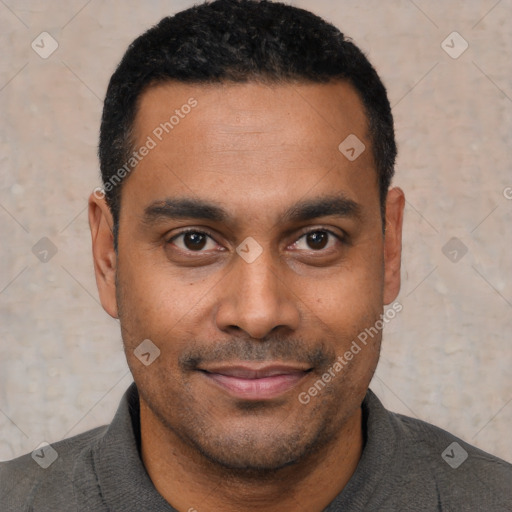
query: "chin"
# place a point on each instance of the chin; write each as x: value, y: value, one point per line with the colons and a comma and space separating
x: 251, y: 461
x: 258, y: 453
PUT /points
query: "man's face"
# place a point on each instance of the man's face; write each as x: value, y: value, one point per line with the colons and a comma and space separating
x: 251, y: 254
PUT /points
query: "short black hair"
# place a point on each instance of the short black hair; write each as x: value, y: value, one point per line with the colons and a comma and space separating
x: 238, y: 41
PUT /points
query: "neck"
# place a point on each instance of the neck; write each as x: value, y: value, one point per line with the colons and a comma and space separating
x: 189, y: 482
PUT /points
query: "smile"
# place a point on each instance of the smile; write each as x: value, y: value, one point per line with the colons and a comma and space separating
x: 256, y: 383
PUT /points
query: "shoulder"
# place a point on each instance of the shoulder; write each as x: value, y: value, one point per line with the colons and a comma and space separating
x: 452, y: 452
x: 47, y: 470
x: 463, y: 475
x: 409, y: 464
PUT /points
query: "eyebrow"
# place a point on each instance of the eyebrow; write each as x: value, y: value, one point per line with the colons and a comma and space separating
x: 188, y: 208
x: 309, y: 209
x: 183, y: 208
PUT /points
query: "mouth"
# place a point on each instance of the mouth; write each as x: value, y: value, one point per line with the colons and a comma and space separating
x: 256, y: 382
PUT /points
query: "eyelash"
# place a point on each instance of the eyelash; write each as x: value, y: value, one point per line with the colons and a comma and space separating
x: 191, y: 230
x: 339, y: 238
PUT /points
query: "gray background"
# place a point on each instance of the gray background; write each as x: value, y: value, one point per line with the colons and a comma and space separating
x: 446, y: 357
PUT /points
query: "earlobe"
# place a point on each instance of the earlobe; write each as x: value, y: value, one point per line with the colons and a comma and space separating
x: 393, y: 243
x: 104, y: 255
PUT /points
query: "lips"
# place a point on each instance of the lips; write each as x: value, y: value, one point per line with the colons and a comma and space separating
x: 253, y: 382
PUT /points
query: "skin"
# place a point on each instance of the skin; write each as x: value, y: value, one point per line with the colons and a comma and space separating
x: 255, y: 151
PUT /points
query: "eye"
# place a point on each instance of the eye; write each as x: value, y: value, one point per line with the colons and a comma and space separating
x: 316, y: 240
x: 193, y: 241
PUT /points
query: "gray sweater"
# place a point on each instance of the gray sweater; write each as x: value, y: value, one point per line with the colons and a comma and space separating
x: 407, y: 465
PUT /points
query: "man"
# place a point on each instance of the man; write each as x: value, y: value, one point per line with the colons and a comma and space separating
x: 246, y: 237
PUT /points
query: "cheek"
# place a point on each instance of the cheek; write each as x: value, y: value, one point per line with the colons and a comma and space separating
x: 159, y: 306
x: 145, y: 282
x: 351, y: 295
x: 348, y: 305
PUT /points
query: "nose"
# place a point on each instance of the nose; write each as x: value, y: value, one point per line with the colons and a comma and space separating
x: 256, y: 299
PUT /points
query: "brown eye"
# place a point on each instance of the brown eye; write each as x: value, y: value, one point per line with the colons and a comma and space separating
x: 317, y: 239
x: 194, y: 241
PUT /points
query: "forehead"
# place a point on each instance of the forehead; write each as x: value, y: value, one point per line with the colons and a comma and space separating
x: 264, y: 142
x: 307, y: 112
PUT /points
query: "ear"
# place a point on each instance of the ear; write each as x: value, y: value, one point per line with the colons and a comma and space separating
x: 393, y: 243
x: 104, y: 255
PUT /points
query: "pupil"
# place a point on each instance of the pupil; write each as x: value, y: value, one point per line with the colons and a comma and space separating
x: 317, y: 240
x: 194, y: 241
